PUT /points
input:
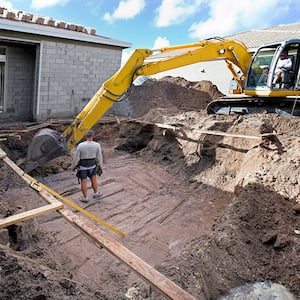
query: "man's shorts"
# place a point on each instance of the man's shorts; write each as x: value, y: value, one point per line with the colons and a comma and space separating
x: 83, y: 174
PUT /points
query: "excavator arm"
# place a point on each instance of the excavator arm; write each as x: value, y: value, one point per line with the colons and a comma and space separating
x: 49, y: 144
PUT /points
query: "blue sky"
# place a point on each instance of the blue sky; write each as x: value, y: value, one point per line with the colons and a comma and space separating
x: 157, y: 23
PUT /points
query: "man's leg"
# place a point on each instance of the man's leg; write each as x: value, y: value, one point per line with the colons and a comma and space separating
x: 277, y: 78
x: 95, y: 187
x: 94, y: 183
x: 84, y: 187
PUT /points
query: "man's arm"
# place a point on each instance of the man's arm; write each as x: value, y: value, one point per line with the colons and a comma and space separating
x: 76, y: 159
x: 288, y: 64
x: 99, y: 157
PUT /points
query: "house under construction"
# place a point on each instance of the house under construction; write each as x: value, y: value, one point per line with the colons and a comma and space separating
x: 50, y: 69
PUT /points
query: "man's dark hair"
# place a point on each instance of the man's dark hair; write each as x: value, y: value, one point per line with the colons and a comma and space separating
x: 90, y: 133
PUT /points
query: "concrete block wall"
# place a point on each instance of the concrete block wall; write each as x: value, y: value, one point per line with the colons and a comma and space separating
x: 20, y: 80
x: 71, y: 74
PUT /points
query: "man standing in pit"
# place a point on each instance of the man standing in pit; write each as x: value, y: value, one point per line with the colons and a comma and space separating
x: 87, y: 157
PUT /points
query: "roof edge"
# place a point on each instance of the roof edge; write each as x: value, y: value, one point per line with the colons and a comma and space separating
x: 44, y: 30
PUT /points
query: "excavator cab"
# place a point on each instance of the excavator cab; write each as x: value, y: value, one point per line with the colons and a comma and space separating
x: 262, y: 69
x: 260, y: 92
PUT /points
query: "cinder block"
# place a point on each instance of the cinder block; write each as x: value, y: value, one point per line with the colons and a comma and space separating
x: 79, y: 28
x: 40, y: 20
x: 91, y: 31
x: 27, y: 18
x: 61, y: 24
x: 51, y: 22
x: 71, y: 27
x: 10, y: 15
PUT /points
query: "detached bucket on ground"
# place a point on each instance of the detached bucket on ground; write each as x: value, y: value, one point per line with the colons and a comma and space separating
x: 46, y: 145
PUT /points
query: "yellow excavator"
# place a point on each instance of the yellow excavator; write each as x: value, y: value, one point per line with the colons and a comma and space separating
x: 253, y: 77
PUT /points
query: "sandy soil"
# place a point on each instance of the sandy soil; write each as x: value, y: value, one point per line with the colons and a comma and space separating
x: 210, y: 212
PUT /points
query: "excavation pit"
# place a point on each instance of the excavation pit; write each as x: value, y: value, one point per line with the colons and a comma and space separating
x: 209, y: 201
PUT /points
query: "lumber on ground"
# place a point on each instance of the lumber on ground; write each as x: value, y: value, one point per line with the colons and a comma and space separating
x: 30, y: 214
x: 204, y: 131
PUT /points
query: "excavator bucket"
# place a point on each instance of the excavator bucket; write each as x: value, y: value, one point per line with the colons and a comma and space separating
x: 46, y: 145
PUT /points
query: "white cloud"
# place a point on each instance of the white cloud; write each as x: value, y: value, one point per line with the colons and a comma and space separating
x: 126, y: 53
x: 161, y: 42
x: 127, y: 9
x: 173, y: 12
x: 6, y: 4
x: 39, y: 4
x: 230, y: 16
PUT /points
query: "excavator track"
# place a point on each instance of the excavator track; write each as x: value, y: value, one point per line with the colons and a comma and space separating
x: 249, y: 105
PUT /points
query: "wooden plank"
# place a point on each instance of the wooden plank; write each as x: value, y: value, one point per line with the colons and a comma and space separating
x: 30, y: 214
x: 101, y: 239
x: 13, y: 130
x: 39, y: 126
x: 209, y: 132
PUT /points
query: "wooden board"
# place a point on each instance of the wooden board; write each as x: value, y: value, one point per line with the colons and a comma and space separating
x: 209, y: 132
x: 30, y: 214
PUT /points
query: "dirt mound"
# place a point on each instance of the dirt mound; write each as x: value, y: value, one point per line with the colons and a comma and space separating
x: 201, y: 86
x: 172, y: 93
x: 255, y: 231
x: 32, y: 278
